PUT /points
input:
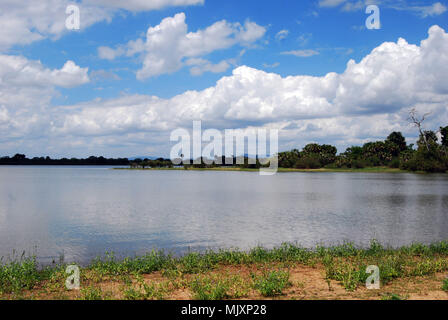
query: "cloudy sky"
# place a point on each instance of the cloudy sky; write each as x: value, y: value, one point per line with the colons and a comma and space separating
x: 138, y: 69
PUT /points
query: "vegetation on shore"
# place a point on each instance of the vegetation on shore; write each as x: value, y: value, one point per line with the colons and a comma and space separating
x: 430, y: 155
x: 22, y: 160
x: 285, y: 272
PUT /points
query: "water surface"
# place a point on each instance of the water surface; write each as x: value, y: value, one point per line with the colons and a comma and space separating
x: 81, y: 212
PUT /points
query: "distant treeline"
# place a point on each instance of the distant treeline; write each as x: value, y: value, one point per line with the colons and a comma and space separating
x: 430, y: 155
x: 21, y: 159
x: 199, y: 163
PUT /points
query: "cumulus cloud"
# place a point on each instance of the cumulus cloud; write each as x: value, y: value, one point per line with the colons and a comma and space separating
x: 367, y: 101
x: 168, y: 44
x: 26, y: 21
x: 21, y: 72
x: 25, y: 83
x: 26, y: 91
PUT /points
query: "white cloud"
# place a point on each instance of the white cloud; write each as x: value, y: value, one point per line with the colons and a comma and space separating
x: 433, y: 10
x: 69, y: 76
x: 20, y: 72
x: 282, y: 34
x: 301, y: 53
x: 330, y: 3
x: 169, y: 43
x: 143, y: 5
x: 26, y: 91
x: 367, y: 101
x: 355, y: 6
x: 4, y: 116
x: 104, y: 75
x: 26, y: 21
x: 272, y: 65
x: 108, y: 53
x: 200, y: 66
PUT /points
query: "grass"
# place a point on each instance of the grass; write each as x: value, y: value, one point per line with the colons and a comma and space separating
x: 445, y: 285
x: 146, y: 291
x: 206, y: 288
x: 22, y: 274
x: 392, y: 296
x: 272, y: 283
x: 91, y: 293
x: 206, y: 276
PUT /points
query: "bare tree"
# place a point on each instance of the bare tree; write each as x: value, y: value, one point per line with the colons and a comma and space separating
x: 417, y: 121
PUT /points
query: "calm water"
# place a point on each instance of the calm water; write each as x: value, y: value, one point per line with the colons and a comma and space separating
x: 82, y: 212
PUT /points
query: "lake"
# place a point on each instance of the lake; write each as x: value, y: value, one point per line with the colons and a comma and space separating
x: 82, y: 212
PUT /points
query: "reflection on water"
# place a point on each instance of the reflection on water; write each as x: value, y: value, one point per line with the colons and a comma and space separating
x: 82, y: 212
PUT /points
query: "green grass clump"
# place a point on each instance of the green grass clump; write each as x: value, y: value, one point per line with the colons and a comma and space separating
x: 206, y: 288
x: 22, y: 274
x: 348, y: 264
x: 445, y: 285
x: 151, y: 262
x: 146, y: 291
x: 91, y: 293
x: 271, y: 283
x: 392, y: 296
x: 194, y: 262
x: 218, y: 287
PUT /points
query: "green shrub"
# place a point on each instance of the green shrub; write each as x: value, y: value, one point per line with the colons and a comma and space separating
x: 21, y: 275
x: 91, y: 293
x: 358, y: 164
x: 145, y: 291
x: 209, y: 289
x: 308, y: 162
x: 151, y: 262
x: 395, y: 163
x: 391, y: 296
x: 445, y: 285
x: 271, y: 283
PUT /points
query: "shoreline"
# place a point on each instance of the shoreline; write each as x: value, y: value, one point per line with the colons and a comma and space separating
x: 286, y: 272
x: 283, y: 170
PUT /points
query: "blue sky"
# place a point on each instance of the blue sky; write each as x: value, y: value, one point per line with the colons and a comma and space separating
x: 334, y: 33
x: 256, y: 37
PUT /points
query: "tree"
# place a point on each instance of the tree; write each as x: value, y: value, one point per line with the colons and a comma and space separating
x: 379, y: 152
x: 354, y: 152
x: 325, y: 154
x: 19, y: 156
x: 415, y: 119
x: 398, y: 139
x: 444, y: 132
x: 288, y: 159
